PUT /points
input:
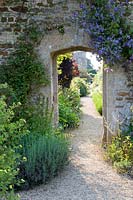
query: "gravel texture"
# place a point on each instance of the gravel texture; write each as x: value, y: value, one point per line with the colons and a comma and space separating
x: 88, y: 176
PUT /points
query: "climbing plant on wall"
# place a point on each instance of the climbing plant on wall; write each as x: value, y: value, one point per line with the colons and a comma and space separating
x: 23, y: 70
x: 111, y: 34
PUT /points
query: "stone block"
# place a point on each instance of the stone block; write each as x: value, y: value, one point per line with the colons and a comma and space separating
x: 123, y: 94
x: 3, y: 9
x: 4, y: 19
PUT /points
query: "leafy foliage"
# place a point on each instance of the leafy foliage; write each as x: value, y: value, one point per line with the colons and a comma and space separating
x: 10, y: 134
x: 64, y: 79
x: 45, y: 150
x: 68, y: 69
x: 61, y: 57
x: 81, y: 85
x: 120, y: 153
x: 23, y: 71
x: 40, y: 121
x: 96, y: 88
x: 97, y: 99
x: 112, y: 36
x: 46, y: 156
x: 69, y: 108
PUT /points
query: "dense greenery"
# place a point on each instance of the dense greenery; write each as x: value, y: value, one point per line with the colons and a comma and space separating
x: 120, y: 153
x: 23, y: 71
x: 96, y: 93
x: 81, y: 84
x: 111, y: 34
x: 10, y: 133
x: 46, y: 150
x: 69, y: 107
x: 97, y: 99
x: 68, y: 69
x: 61, y: 57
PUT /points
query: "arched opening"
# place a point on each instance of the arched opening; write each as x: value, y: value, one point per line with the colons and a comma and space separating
x: 54, y: 56
x: 54, y: 44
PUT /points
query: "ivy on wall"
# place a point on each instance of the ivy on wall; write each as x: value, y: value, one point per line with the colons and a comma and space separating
x: 111, y: 33
x: 23, y: 71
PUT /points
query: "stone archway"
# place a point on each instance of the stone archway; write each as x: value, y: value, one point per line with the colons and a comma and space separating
x: 54, y: 45
x: 55, y: 74
x: 61, y: 34
x: 117, y: 92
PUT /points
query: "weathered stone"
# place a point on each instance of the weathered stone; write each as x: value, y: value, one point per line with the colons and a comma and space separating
x: 21, y: 19
x: 3, y: 9
x: 123, y: 94
x: 17, y: 29
x: 119, y: 98
x: 3, y: 53
x: 130, y: 99
x: 4, y: 19
x: 6, y: 45
x: 119, y: 106
x: 21, y: 9
x: 8, y: 29
x: 10, y: 19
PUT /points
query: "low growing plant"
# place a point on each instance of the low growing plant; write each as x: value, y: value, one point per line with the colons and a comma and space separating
x: 46, y: 156
x: 46, y: 151
x: 120, y: 153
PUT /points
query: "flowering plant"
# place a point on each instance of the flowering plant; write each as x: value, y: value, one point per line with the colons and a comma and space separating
x: 110, y: 32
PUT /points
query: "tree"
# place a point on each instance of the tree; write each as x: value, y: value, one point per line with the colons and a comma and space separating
x: 68, y: 69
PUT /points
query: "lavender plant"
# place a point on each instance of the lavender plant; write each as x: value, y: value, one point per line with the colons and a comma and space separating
x: 110, y: 32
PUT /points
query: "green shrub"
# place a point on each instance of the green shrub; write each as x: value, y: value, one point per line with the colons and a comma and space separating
x: 46, y: 156
x: 10, y: 134
x: 96, y: 90
x: 45, y: 150
x: 23, y: 70
x: 120, y: 153
x: 82, y: 85
x: 69, y: 108
x: 40, y: 121
x: 97, y: 99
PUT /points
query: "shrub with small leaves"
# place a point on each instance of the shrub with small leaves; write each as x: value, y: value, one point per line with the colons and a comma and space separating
x: 82, y: 85
x: 96, y: 91
x: 46, y: 155
x: 69, y: 107
x: 120, y: 153
x: 10, y: 134
x: 23, y: 71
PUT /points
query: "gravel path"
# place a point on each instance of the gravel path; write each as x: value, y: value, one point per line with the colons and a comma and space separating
x: 88, y: 176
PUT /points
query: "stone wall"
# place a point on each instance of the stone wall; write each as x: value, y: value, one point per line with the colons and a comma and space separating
x: 59, y: 34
